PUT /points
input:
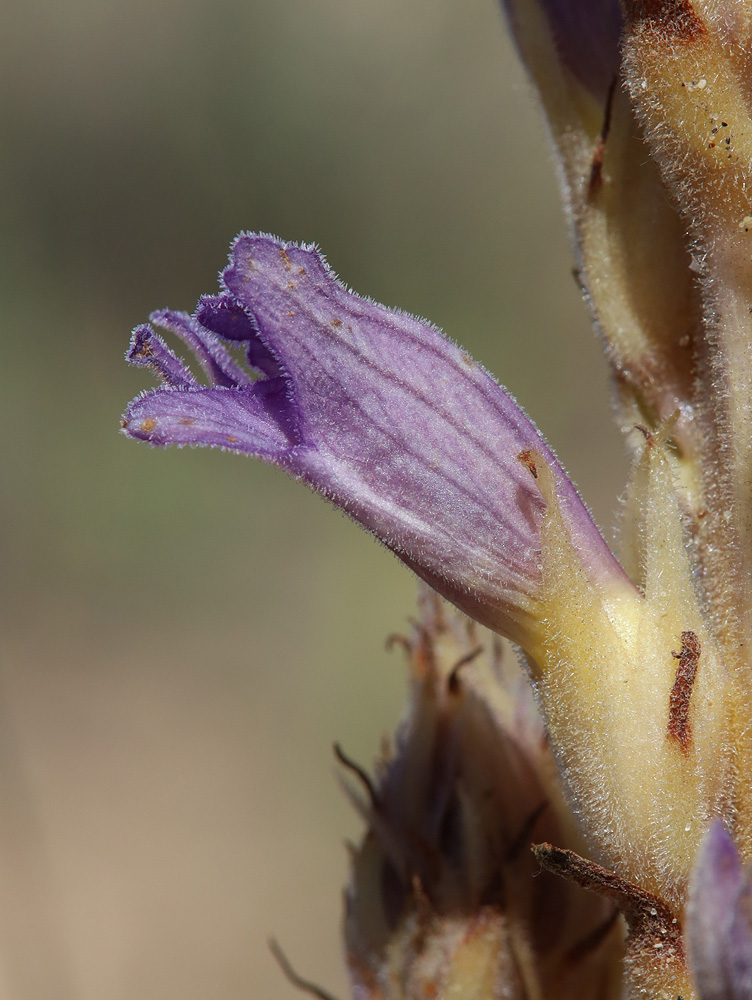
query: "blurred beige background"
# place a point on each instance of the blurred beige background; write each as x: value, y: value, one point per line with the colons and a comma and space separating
x: 184, y: 634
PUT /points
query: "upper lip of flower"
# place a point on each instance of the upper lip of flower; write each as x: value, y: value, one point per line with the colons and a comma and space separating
x: 377, y: 410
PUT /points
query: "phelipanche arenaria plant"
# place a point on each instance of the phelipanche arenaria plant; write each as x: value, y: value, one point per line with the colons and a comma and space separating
x: 622, y: 751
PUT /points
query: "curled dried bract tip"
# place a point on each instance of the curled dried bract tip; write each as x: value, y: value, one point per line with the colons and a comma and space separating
x: 445, y: 895
x: 304, y: 985
x: 654, y: 948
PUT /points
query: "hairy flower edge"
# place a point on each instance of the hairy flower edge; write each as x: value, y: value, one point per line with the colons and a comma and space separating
x: 378, y: 411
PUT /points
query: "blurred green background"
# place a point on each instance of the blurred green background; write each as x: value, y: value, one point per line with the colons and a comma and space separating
x: 185, y: 633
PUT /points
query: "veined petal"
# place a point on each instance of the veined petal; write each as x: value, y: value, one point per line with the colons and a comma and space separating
x: 719, y: 920
x: 390, y: 420
x: 254, y: 420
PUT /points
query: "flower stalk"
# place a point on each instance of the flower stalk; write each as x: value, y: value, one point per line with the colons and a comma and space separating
x: 630, y: 764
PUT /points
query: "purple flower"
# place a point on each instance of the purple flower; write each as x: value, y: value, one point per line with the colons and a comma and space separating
x: 375, y: 409
x: 644, y: 690
x: 719, y: 920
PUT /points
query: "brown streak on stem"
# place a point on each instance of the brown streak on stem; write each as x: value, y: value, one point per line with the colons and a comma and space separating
x: 596, y: 166
x: 678, y: 712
